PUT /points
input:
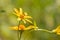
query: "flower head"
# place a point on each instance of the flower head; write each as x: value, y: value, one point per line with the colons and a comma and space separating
x: 57, y: 30
x: 22, y: 15
x: 22, y: 27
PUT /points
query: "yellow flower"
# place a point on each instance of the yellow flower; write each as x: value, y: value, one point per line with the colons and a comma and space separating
x: 22, y: 27
x: 57, y: 30
x: 22, y: 15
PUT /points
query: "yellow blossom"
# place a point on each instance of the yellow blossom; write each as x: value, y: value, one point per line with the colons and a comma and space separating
x: 57, y: 30
x: 22, y: 15
x: 22, y: 27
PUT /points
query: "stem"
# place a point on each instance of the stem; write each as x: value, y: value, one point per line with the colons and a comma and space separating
x: 20, y: 34
x: 45, y: 30
x: 18, y: 31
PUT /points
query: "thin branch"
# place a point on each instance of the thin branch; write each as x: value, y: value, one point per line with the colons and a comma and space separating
x: 18, y: 31
x: 21, y: 34
x: 45, y: 30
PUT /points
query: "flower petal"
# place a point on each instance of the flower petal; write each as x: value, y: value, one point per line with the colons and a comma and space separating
x: 17, y: 12
x: 32, y: 27
x: 58, y: 33
x: 24, y: 21
x: 21, y: 12
x: 28, y: 20
x: 27, y: 17
x: 57, y: 29
x: 14, y: 28
x: 28, y: 28
x: 18, y: 19
x: 25, y: 13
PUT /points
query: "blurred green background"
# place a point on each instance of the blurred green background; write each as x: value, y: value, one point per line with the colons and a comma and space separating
x: 45, y: 12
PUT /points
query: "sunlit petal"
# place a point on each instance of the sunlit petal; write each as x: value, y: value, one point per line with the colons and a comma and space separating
x: 28, y: 28
x: 25, y: 13
x: 14, y: 28
x: 24, y: 21
x: 18, y: 19
x: 17, y: 12
x: 28, y: 20
x: 27, y: 17
x: 21, y: 12
x: 32, y: 27
x: 58, y: 33
x: 57, y: 30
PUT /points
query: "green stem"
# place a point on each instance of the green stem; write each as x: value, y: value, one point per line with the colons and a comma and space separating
x: 18, y: 35
x: 21, y: 34
x: 45, y: 30
x: 18, y: 31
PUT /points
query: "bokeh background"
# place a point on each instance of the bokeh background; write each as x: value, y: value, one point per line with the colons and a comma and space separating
x: 46, y: 13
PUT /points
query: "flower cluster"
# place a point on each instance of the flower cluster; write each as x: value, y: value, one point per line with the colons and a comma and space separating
x: 23, y: 16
